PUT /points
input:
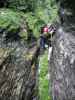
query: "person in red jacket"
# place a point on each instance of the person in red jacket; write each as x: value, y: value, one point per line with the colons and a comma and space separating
x: 47, y: 33
x: 44, y: 30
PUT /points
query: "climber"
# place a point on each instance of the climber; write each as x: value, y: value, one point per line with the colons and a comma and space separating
x: 44, y: 30
x: 47, y: 33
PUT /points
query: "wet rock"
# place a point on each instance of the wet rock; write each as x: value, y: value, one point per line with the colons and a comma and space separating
x: 62, y: 65
x: 17, y: 76
x: 12, y: 73
x: 18, y: 66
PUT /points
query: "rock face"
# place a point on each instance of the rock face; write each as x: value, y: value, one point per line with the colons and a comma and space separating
x: 62, y: 66
x: 62, y: 63
x: 16, y: 79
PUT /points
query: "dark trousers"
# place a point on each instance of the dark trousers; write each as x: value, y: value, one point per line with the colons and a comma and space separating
x: 42, y: 42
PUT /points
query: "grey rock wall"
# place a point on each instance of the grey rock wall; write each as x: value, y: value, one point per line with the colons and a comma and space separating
x: 62, y: 65
x: 17, y: 74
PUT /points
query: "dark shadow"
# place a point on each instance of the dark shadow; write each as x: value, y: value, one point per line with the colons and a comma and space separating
x: 3, y: 3
x: 12, y: 36
x: 31, y: 38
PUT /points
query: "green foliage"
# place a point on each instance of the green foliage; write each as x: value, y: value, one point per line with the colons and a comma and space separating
x: 11, y: 21
x: 34, y: 23
x: 8, y: 17
x: 22, y: 5
x: 43, y: 81
x: 37, y: 12
x: 46, y: 10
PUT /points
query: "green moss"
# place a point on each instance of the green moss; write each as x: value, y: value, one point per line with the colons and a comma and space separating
x: 24, y: 35
x: 43, y: 82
